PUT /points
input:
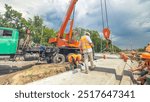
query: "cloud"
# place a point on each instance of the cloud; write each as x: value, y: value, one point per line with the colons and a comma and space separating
x: 143, y: 1
x: 129, y: 20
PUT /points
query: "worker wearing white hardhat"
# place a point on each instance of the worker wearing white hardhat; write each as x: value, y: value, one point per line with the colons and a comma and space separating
x: 87, y: 33
x: 86, y: 46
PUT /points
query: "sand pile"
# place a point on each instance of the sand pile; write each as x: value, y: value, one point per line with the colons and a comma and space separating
x: 32, y: 74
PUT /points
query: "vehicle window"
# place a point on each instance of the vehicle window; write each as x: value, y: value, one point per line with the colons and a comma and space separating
x: 6, y: 33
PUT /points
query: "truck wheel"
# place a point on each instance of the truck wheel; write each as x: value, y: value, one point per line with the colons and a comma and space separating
x: 59, y: 59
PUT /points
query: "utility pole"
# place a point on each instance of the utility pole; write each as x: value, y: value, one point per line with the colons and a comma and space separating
x: 41, y: 35
x: 112, y: 47
x: 101, y: 42
x: 131, y: 44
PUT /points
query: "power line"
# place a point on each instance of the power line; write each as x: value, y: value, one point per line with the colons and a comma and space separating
x: 102, y: 14
x: 104, y: 11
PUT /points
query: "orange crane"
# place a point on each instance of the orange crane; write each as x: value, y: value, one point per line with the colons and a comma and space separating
x: 60, y: 41
x: 67, y: 44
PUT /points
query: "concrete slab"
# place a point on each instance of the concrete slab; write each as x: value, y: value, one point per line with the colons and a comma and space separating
x: 79, y: 78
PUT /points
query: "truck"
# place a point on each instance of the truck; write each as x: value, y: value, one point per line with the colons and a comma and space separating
x: 9, y: 46
x: 8, y: 41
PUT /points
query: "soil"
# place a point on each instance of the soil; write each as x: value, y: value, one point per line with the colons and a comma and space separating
x: 32, y: 74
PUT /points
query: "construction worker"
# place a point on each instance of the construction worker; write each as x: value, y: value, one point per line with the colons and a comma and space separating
x: 148, y: 48
x: 144, y: 67
x: 86, y: 46
x: 74, y: 60
x: 123, y: 56
x: 133, y: 55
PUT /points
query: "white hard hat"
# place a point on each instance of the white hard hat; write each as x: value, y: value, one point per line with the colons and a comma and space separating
x: 87, y: 33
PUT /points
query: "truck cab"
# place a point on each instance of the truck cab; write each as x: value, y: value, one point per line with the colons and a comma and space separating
x: 8, y: 41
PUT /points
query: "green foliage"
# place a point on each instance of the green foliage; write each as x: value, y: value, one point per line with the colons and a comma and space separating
x: 141, y: 50
x: 13, y: 19
x: 47, y: 33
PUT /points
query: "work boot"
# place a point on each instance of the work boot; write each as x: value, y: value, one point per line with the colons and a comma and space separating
x: 86, y: 71
x: 80, y: 67
x: 92, y: 67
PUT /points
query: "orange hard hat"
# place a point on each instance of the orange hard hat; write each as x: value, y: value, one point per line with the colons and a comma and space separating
x: 145, y: 55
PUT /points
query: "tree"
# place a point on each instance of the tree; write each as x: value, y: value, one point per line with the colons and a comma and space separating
x: 13, y: 19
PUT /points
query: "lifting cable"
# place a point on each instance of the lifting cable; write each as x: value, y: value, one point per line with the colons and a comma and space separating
x: 106, y: 14
x: 106, y: 30
x: 104, y: 10
x: 102, y: 14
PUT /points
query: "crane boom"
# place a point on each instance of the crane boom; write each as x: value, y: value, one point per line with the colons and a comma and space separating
x: 60, y: 41
x: 67, y: 18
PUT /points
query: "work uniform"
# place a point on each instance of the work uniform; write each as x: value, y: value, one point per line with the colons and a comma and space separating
x: 74, y: 60
x: 85, y: 45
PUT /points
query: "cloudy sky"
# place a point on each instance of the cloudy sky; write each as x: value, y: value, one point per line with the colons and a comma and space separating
x: 129, y: 20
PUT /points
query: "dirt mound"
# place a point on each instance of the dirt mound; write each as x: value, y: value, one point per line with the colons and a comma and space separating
x: 32, y: 74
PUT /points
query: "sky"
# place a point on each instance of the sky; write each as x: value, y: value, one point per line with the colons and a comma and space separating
x: 129, y: 20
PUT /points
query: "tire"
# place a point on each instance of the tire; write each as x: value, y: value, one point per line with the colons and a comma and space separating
x: 59, y: 59
x: 19, y: 58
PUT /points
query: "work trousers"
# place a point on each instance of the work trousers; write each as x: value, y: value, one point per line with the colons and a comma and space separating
x: 88, y: 56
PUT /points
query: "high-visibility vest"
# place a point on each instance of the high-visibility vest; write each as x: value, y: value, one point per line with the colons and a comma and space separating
x: 148, y: 48
x: 75, y: 57
x: 85, y: 43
